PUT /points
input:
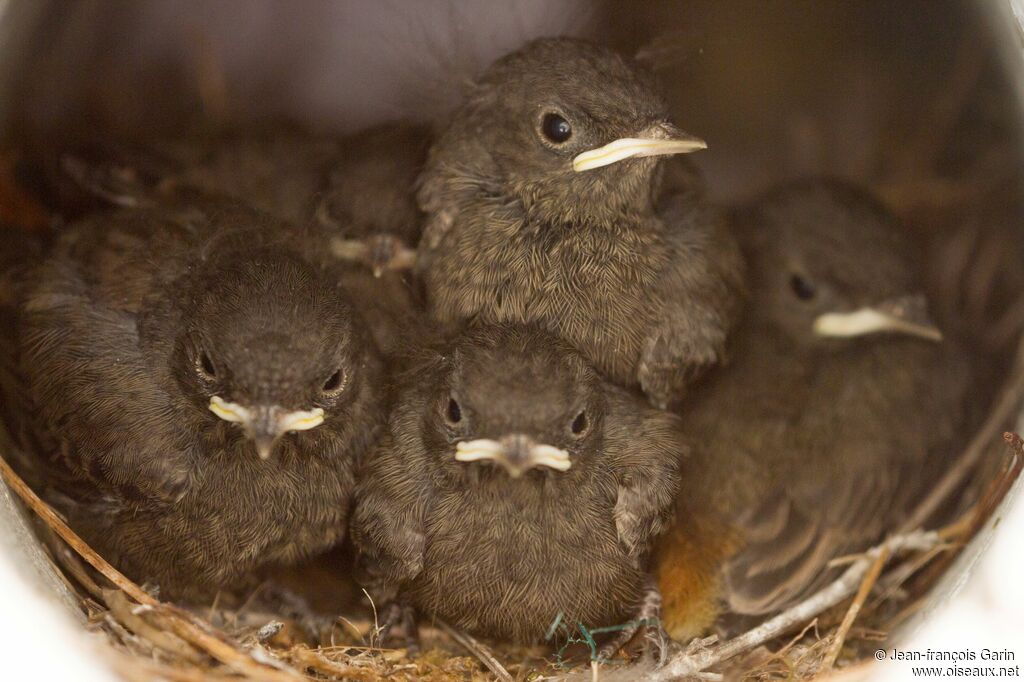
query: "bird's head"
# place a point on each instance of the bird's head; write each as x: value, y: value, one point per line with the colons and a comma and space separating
x: 569, y: 130
x: 829, y: 262
x: 517, y: 402
x: 271, y: 348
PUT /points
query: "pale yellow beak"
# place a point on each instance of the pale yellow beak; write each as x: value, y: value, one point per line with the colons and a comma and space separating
x: 658, y: 140
x: 376, y: 252
x: 906, y: 315
x: 516, y: 454
x: 264, y: 425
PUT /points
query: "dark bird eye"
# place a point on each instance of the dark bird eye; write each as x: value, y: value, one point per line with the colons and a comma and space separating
x: 334, y: 382
x: 454, y: 412
x: 803, y: 289
x: 204, y: 365
x: 579, y: 424
x: 555, y: 128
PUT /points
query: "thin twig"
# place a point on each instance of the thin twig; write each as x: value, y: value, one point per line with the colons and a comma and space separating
x: 315, y: 660
x: 195, y: 631
x: 870, y: 578
x: 136, y: 645
x: 1006, y: 406
x: 70, y: 562
x: 798, y: 637
x: 474, y: 647
x: 689, y: 664
x: 963, y: 530
x: 375, y: 636
x: 69, y: 536
x: 124, y: 611
x: 895, y: 578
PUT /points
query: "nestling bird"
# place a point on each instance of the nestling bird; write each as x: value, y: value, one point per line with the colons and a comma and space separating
x: 353, y: 196
x: 206, y: 387
x: 359, y: 188
x: 837, y: 412
x: 547, y: 203
x: 516, y: 487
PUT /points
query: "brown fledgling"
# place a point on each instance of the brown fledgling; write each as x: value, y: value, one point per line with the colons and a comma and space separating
x: 353, y: 197
x: 840, y: 407
x: 359, y: 188
x: 547, y: 203
x: 516, y: 488
x: 206, y: 387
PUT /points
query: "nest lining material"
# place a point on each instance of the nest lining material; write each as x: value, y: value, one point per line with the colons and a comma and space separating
x: 151, y: 639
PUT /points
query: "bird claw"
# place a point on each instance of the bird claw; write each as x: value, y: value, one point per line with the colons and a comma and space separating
x: 404, y: 617
x: 655, y: 641
x: 648, y: 619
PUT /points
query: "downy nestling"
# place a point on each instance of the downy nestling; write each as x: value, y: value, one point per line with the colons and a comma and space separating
x: 840, y: 408
x: 204, y: 387
x: 515, y: 487
x: 548, y: 203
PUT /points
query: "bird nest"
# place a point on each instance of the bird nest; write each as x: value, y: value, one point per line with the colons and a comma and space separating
x: 837, y: 628
x: 270, y: 634
x: 975, y: 276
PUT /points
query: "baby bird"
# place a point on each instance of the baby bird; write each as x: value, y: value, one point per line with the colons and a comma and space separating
x: 206, y: 387
x: 354, y: 197
x: 359, y: 188
x: 516, y: 488
x: 548, y: 203
x: 841, y: 406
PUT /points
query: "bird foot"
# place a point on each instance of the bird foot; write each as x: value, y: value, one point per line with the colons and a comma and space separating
x: 402, y: 616
x: 648, y: 619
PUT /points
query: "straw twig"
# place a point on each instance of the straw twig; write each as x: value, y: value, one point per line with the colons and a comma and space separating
x: 309, y: 659
x: 126, y: 614
x: 70, y: 562
x: 870, y: 578
x: 50, y: 517
x: 1006, y: 406
x: 481, y: 652
x: 190, y: 628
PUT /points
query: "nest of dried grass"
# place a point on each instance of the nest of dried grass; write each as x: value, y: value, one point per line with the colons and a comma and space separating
x: 838, y: 627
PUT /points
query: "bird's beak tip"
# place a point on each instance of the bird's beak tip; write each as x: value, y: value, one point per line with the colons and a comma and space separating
x: 906, y: 316
x: 659, y: 140
x: 265, y: 446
